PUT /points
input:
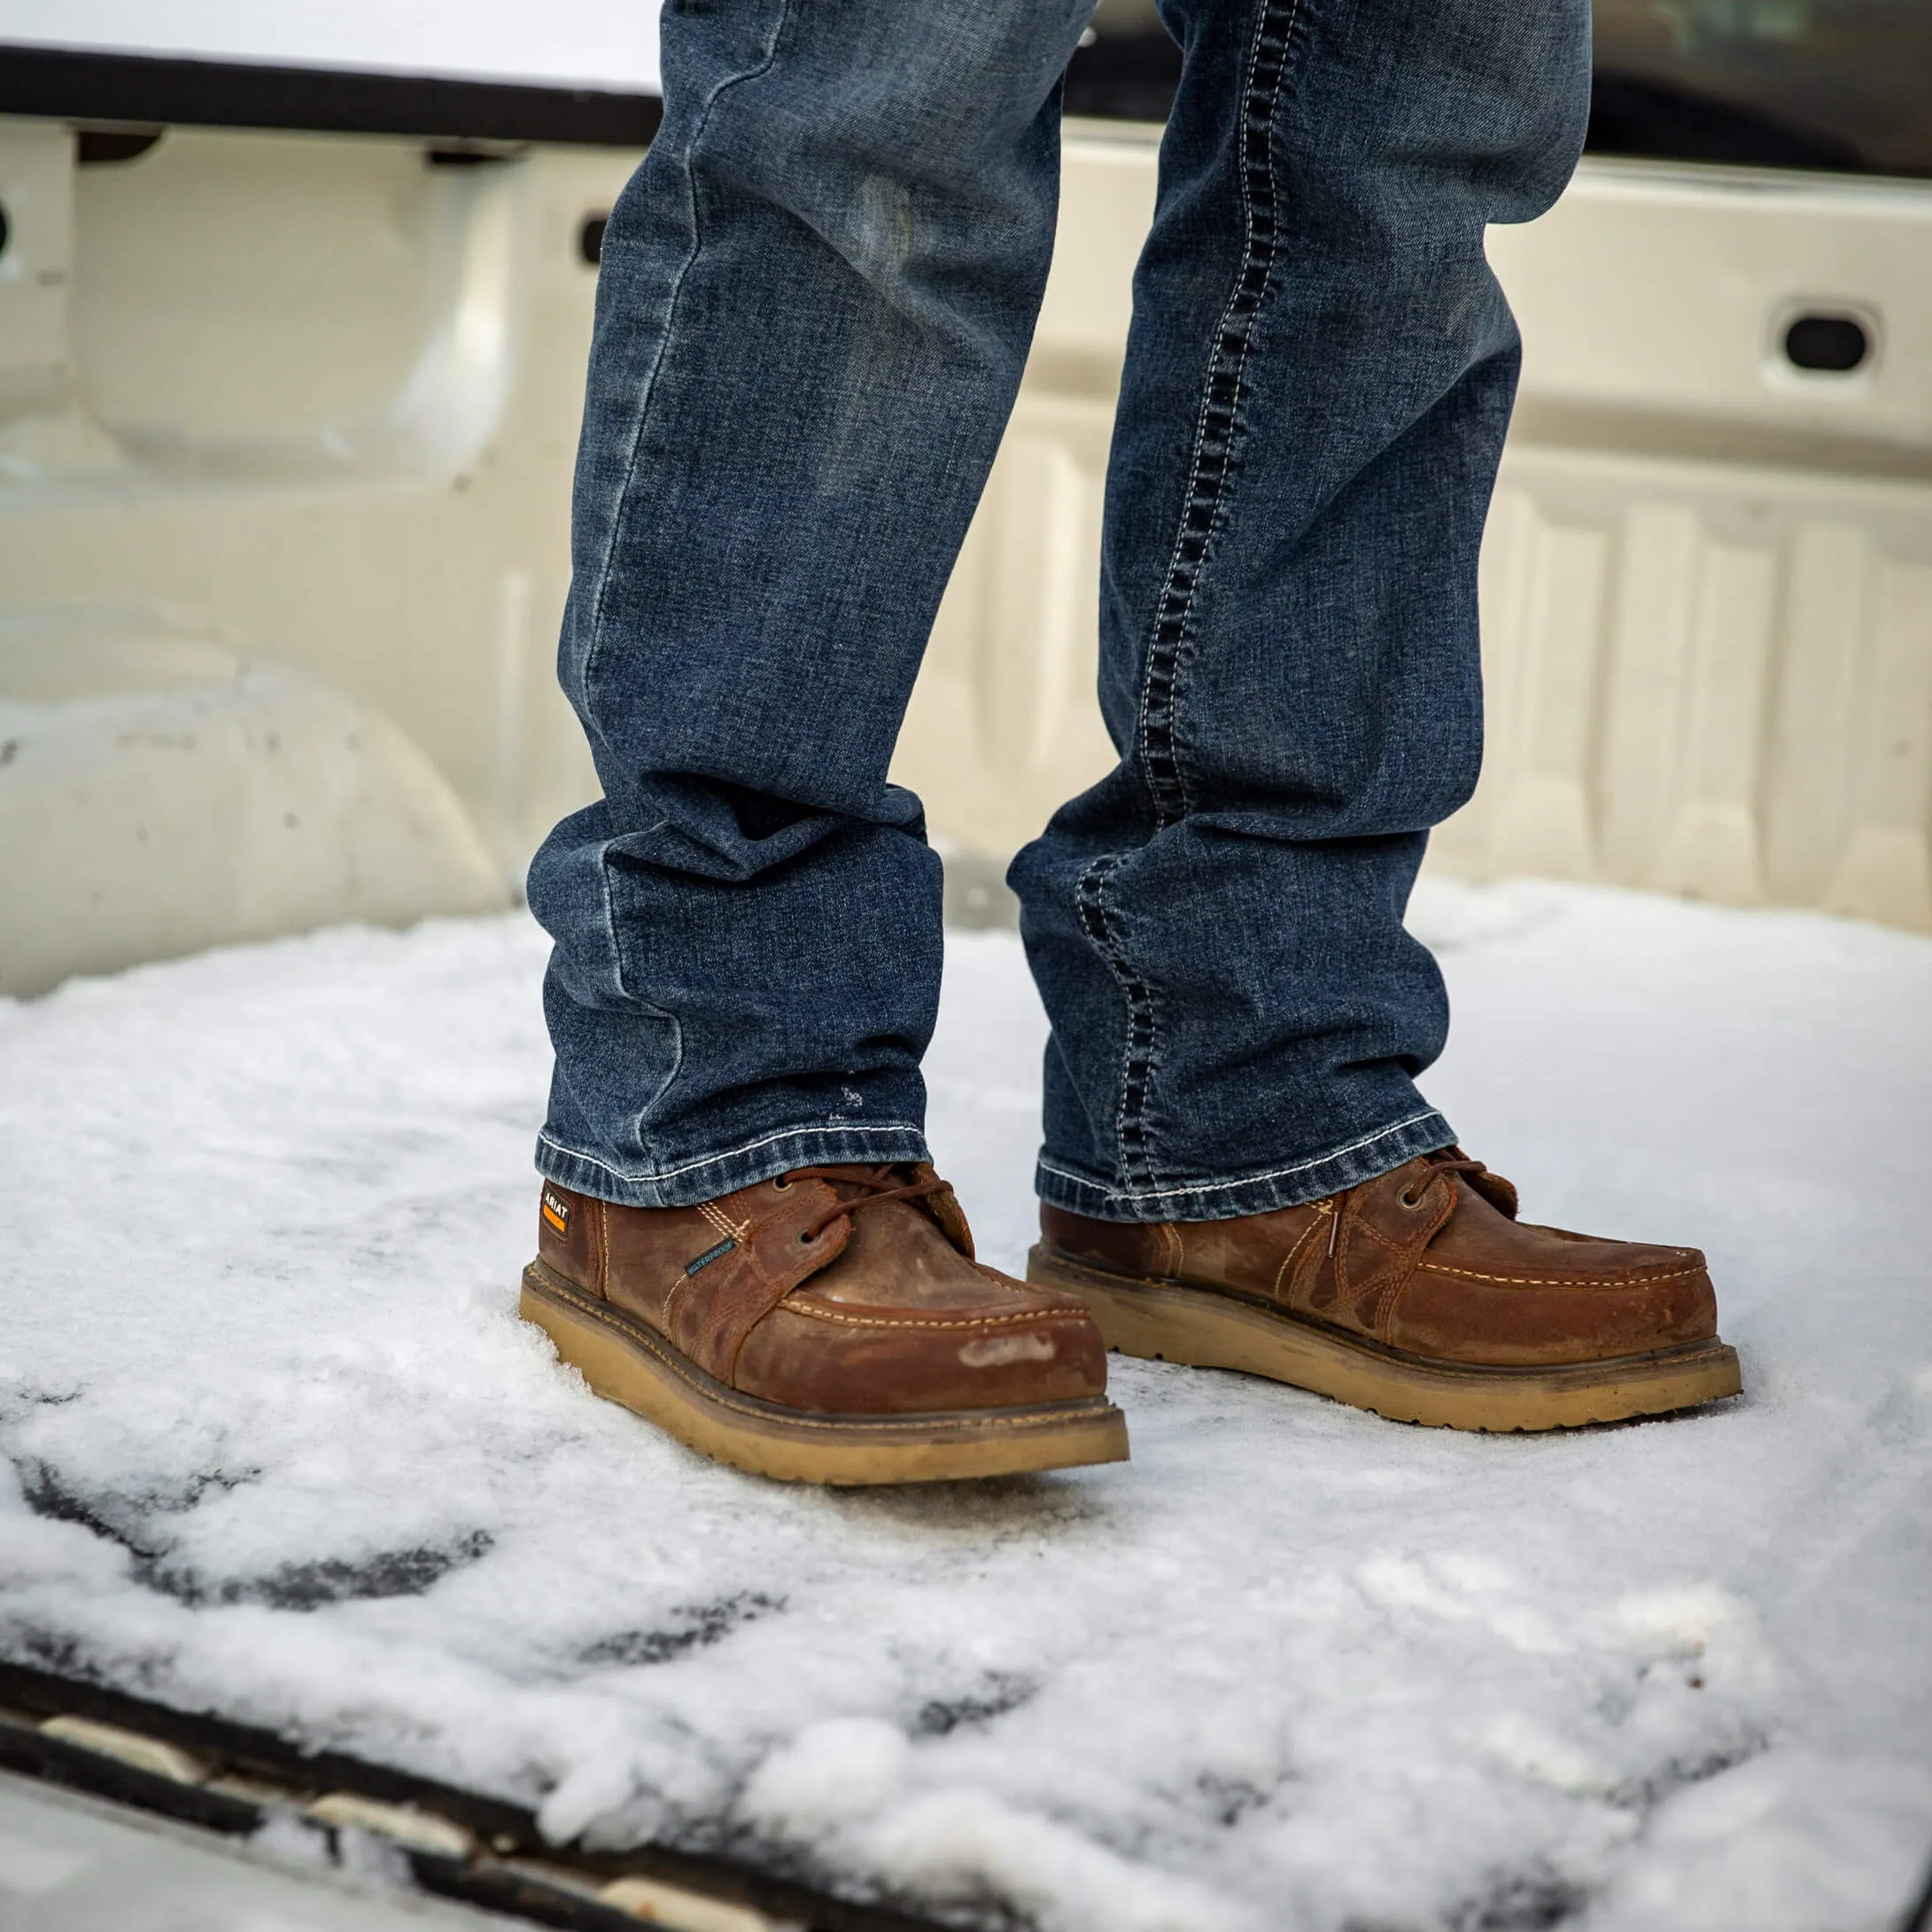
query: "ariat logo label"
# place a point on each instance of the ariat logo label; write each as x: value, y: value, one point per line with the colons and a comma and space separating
x: 711, y: 1255
x: 556, y: 1212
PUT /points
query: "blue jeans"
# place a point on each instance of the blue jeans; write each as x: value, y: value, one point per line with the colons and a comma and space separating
x: 816, y: 299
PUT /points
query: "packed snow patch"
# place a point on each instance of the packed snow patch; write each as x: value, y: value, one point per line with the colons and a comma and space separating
x: 277, y: 1445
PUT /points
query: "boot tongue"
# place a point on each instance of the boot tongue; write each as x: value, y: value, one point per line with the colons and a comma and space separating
x: 849, y: 1180
x: 897, y: 1253
x: 1493, y: 1192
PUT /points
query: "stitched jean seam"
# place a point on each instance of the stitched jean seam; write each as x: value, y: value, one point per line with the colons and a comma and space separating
x: 1138, y: 1050
x: 1208, y: 470
x: 655, y: 1011
x: 1219, y: 417
x: 1253, y: 1180
x: 1299, y: 1183
x: 658, y: 1175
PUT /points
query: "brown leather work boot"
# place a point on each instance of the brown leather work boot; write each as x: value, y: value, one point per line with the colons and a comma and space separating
x: 828, y: 1326
x: 1418, y: 1295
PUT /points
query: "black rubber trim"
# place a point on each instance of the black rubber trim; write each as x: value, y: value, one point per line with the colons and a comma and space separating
x: 1124, y: 78
x: 147, y: 90
x: 73, y: 1766
x: 1650, y: 120
x: 38, y: 1756
x: 495, y: 1888
x: 507, y: 1830
x: 1132, y: 77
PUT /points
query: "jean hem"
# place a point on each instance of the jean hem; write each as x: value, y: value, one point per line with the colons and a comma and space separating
x: 705, y: 1176
x: 1289, y: 1186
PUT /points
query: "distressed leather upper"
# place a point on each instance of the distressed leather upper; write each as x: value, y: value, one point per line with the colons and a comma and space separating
x: 1429, y: 1260
x: 881, y: 1310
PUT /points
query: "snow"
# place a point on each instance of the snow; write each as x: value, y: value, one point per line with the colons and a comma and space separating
x: 283, y: 1450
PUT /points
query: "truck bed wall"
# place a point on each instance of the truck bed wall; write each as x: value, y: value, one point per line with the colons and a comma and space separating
x: 311, y: 401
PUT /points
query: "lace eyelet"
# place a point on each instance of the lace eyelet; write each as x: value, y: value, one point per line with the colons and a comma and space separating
x: 805, y: 1240
x: 1408, y: 1199
x: 782, y: 1184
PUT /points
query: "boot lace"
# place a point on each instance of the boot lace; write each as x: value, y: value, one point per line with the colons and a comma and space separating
x: 878, y: 1188
x: 1439, y: 1164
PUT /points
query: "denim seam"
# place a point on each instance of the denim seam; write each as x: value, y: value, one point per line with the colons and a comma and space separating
x: 1207, y: 475
x: 1249, y: 1179
x: 1138, y: 1049
x: 649, y: 391
x: 649, y: 1006
x: 1208, y: 468
x: 728, y: 1154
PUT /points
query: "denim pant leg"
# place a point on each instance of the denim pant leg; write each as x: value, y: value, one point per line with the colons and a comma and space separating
x: 815, y: 300
x: 1319, y: 376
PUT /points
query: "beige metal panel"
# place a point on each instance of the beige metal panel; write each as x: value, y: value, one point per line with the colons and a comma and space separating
x: 324, y: 409
x: 317, y: 401
x: 286, y: 297
x: 1706, y: 583
x: 160, y: 796
x: 36, y: 192
x: 1742, y: 664
x: 1663, y: 301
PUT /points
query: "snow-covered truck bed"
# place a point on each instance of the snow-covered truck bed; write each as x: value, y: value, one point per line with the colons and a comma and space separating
x: 282, y: 1452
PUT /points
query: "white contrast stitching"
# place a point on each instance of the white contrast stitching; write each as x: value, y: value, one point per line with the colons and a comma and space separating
x: 1250, y: 1180
x: 733, y: 1153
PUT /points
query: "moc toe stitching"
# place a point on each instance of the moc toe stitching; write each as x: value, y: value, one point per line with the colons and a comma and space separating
x: 820, y: 1311
x: 1634, y: 1280
x: 822, y: 1359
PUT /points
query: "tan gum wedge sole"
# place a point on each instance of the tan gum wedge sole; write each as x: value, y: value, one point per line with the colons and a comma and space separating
x: 625, y: 1362
x: 1162, y: 1322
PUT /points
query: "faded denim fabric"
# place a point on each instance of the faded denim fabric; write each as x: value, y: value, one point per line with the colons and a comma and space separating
x: 815, y: 303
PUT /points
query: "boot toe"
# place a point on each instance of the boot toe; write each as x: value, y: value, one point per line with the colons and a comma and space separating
x: 1606, y: 1300
x: 813, y: 1352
